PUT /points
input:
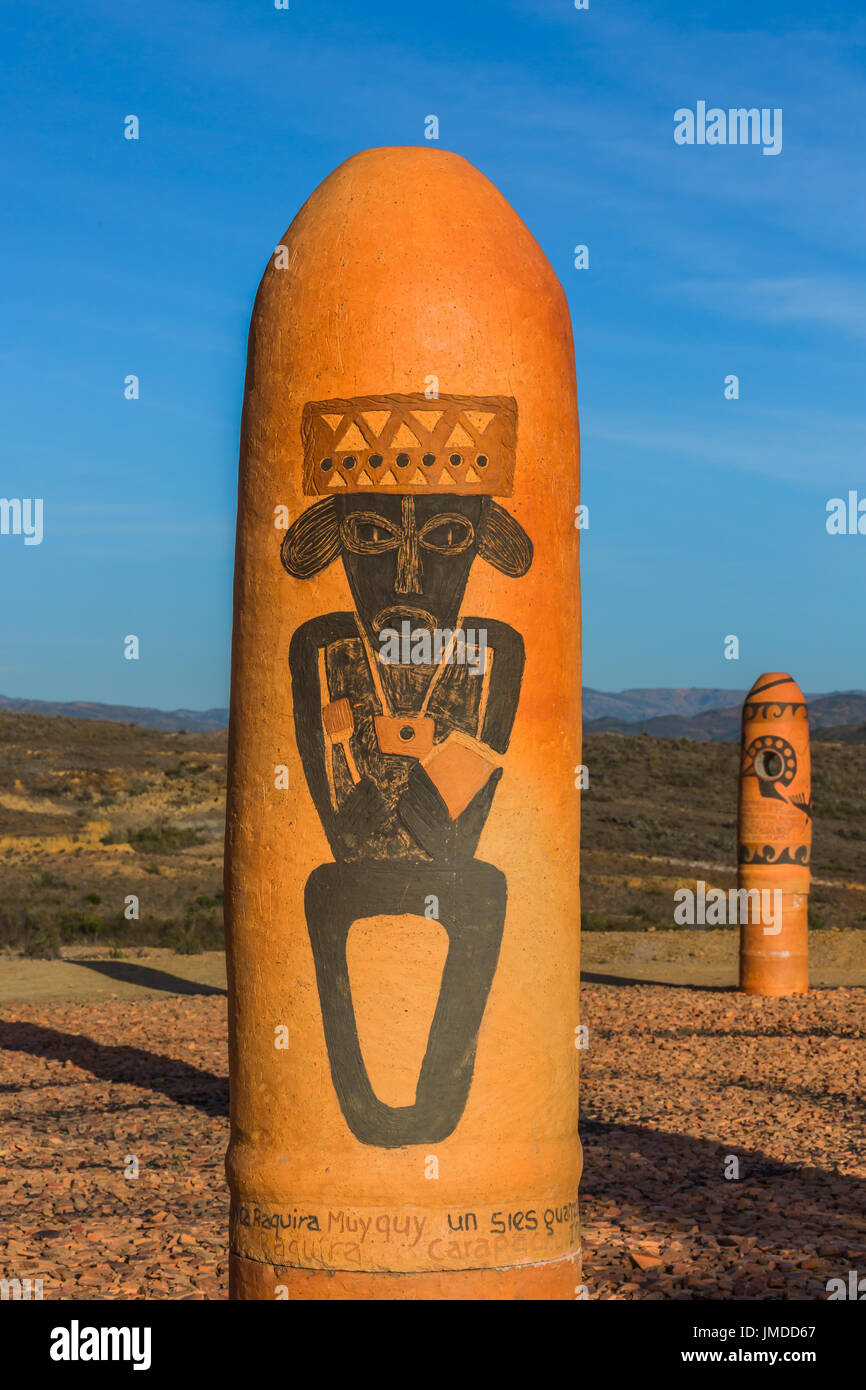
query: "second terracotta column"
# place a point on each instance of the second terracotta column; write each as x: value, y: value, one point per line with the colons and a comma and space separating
x: 775, y: 837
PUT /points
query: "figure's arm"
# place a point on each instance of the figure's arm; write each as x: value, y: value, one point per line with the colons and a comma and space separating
x: 505, y: 645
x: 426, y: 816
x: 363, y: 804
x: 461, y: 766
x: 458, y: 779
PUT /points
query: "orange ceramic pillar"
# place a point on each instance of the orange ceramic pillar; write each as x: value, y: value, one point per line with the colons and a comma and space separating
x: 402, y: 840
x: 775, y: 838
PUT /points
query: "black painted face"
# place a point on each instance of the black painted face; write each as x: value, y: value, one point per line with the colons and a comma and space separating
x: 408, y: 557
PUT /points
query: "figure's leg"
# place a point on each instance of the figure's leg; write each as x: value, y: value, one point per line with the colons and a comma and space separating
x: 472, y: 902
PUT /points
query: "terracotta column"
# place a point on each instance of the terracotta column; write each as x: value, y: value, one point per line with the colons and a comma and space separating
x: 403, y: 919
x: 775, y: 838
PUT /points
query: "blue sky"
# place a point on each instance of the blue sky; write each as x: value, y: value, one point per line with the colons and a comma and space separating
x: 707, y: 516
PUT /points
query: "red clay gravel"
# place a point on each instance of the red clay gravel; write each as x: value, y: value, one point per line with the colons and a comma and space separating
x: 677, y: 1083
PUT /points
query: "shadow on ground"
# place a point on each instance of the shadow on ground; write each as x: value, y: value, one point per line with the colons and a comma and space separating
x: 589, y: 977
x: 146, y: 977
x: 779, y: 1231
x: 133, y: 1066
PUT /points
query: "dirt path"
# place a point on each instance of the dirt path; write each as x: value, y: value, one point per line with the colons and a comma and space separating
x: 710, y: 958
x: 83, y: 977
x: 704, y: 959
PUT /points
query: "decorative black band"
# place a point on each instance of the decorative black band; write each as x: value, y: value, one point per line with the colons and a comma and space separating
x: 771, y: 854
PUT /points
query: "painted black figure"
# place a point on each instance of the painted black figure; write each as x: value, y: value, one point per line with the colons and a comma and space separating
x: 403, y: 760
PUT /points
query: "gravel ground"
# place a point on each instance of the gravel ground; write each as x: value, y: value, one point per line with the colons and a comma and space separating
x: 677, y: 1083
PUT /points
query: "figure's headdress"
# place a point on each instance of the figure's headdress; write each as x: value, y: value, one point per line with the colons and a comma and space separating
x: 465, y: 445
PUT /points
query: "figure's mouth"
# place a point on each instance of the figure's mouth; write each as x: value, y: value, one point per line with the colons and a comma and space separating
x: 403, y: 612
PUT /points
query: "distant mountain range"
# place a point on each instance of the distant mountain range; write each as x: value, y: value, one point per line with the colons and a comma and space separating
x: 832, y: 713
x: 206, y: 721
x: 631, y: 705
x: 710, y: 715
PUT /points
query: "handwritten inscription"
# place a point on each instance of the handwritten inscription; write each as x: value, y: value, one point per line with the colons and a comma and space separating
x: 504, y: 1226
x: 352, y: 1238
x: 276, y: 1220
x: 385, y: 1225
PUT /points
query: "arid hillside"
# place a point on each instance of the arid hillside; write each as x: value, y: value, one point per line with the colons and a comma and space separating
x: 661, y: 813
x: 93, y: 814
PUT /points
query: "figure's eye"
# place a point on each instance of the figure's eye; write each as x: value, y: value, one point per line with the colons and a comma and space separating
x: 448, y: 533
x: 367, y: 533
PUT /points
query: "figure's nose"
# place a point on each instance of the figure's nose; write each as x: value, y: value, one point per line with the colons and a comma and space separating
x: 408, y: 580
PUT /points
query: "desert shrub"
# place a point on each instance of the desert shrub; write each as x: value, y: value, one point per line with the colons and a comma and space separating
x: 79, y: 927
x: 186, y: 769
x: 191, y: 936
x: 46, y: 879
x: 159, y: 838
x: 187, y: 941
x: 593, y: 921
x: 10, y: 929
x: 42, y: 939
